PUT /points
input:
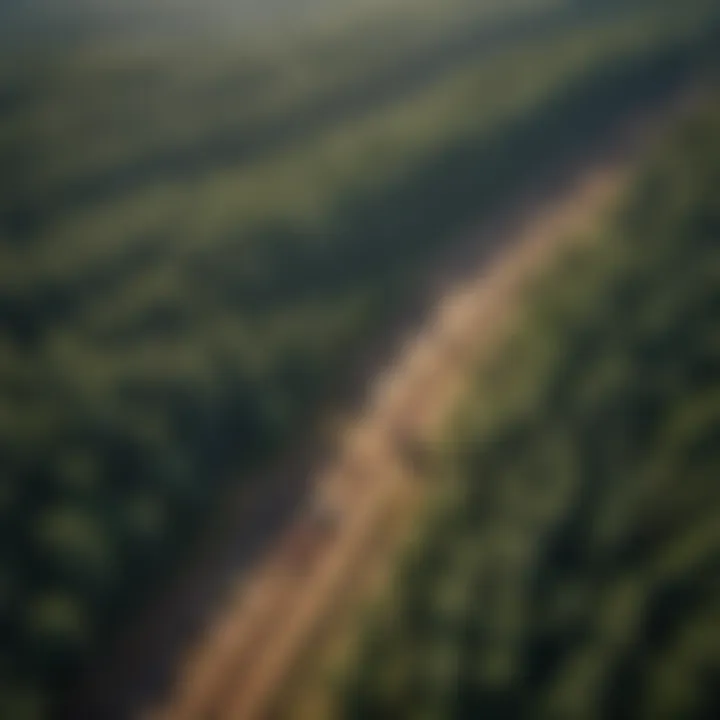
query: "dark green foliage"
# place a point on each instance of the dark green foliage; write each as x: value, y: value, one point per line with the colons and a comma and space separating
x: 193, y: 245
x: 573, y: 569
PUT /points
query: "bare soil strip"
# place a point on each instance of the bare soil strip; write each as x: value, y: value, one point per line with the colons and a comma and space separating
x: 258, y: 639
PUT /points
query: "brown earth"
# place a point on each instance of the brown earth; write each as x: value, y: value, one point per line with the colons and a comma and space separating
x: 250, y: 624
x: 270, y: 626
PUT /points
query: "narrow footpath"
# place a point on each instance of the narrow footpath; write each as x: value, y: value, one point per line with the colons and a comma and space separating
x: 267, y: 627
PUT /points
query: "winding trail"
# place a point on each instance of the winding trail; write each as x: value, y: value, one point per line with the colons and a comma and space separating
x: 247, y: 616
x: 267, y: 625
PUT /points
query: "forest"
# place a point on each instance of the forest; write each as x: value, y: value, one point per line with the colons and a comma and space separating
x: 570, y: 569
x: 197, y: 237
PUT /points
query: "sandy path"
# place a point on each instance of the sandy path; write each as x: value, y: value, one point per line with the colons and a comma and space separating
x: 234, y: 672
x: 266, y: 626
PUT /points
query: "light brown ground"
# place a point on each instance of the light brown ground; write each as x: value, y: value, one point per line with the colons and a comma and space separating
x: 286, y: 617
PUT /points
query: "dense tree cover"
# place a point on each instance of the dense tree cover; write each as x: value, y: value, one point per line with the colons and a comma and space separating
x: 192, y: 246
x: 572, y: 568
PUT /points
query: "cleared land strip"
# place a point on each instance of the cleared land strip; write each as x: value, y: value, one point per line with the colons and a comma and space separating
x: 257, y: 638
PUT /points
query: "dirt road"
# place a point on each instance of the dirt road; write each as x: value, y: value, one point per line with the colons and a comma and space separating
x: 235, y: 669
x: 247, y: 611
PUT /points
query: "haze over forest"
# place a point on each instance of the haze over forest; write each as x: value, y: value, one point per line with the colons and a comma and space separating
x: 23, y: 19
